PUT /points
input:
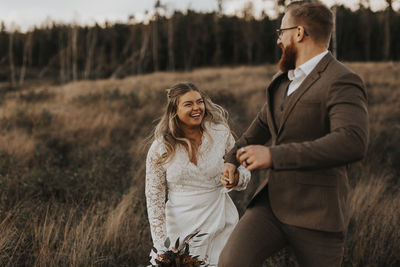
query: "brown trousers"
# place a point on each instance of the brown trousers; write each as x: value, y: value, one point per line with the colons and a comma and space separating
x: 259, y: 234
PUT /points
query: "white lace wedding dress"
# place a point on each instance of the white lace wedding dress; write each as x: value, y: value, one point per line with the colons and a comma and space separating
x: 196, y: 197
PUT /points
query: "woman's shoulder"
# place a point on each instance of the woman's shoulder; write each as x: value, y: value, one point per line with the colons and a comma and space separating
x: 217, y: 127
x: 218, y: 131
x: 157, y: 147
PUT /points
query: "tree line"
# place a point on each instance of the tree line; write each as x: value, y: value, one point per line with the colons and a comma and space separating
x: 182, y: 41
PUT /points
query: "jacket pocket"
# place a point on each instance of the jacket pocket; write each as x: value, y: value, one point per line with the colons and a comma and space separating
x: 319, y: 177
x: 309, y: 101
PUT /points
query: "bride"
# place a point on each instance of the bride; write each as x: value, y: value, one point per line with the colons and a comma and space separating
x: 184, y: 165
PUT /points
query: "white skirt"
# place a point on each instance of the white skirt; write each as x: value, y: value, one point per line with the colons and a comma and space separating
x: 209, y: 211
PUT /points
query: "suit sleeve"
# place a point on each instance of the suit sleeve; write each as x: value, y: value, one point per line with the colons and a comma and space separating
x: 257, y: 133
x: 348, y: 137
x: 244, y: 174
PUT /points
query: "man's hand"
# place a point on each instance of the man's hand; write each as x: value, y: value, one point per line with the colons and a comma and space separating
x: 230, y: 176
x: 255, y: 157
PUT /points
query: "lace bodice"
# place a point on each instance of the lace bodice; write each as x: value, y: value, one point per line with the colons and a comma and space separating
x: 181, y: 175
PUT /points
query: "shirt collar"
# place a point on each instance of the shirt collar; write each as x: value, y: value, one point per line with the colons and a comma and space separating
x: 306, y: 68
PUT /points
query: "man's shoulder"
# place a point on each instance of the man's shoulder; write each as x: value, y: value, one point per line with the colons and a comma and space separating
x: 276, y: 75
x: 339, y: 69
x: 337, y: 72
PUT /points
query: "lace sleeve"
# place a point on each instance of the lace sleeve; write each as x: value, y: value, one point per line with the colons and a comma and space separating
x: 244, y: 174
x: 155, y: 196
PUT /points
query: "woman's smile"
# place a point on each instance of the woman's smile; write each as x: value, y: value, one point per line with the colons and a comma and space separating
x: 191, y: 109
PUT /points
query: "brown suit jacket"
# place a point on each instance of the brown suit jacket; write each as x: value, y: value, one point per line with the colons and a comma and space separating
x: 324, y: 127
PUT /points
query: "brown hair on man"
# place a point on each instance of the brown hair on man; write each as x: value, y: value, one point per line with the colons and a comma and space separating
x: 315, y: 17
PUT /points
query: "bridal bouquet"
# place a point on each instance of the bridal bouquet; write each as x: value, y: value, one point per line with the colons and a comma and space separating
x: 179, y: 255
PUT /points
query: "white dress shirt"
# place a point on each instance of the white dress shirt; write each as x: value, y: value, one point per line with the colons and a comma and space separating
x: 298, y: 75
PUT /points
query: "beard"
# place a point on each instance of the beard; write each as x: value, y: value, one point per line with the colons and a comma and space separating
x: 288, y: 58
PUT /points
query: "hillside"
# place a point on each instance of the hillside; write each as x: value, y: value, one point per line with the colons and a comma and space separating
x: 72, y: 165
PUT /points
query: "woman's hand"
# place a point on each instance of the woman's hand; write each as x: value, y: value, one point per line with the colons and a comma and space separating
x: 230, y: 176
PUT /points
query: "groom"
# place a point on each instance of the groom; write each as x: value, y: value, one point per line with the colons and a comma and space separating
x: 316, y: 119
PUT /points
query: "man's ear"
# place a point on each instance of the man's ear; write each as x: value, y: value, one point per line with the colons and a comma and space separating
x: 300, y: 34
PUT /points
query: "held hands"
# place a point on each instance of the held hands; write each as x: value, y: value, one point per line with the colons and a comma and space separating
x: 230, y: 176
x: 254, y: 157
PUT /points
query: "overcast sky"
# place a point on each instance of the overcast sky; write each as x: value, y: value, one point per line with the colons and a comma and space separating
x: 23, y: 14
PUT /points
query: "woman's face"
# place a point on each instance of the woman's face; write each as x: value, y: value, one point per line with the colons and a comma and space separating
x: 191, y: 109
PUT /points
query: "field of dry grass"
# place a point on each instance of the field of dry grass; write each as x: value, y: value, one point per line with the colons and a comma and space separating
x: 72, y: 166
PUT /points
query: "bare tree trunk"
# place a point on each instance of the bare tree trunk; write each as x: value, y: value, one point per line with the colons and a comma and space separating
x: 74, y: 43
x: 386, y: 28
x: 11, y: 59
x: 236, y: 41
x: 249, y: 31
x: 189, y: 48
x: 334, y: 33
x: 68, y: 57
x: 62, y: 55
x: 218, y: 48
x: 220, y: 6
x: 171, y: 55
x: 143, y: 50
x: 155, y: 43
x: 91, y: 40
x: 249, y: 52
x: 126, y: 65
x: 249, y: 42
x: 129, y: 43
x: 99, y: 62
x: 30, y: 51
x: 365, y: 7
x: 187, y: 58
x: 155, y: 25
x: 279, y: 9
x: 130, y: 56
x: 27, y: 53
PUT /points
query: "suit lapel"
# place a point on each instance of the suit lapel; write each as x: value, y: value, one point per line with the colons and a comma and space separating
x: 271, y: 122
x: 306, y: 84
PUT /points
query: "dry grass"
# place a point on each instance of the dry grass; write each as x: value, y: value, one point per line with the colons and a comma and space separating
x: 72, y: 168
x: 17, y: 143
x: 66, y: 235
x: 375, y: 223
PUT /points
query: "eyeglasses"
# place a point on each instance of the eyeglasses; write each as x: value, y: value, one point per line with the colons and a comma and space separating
x: 279, y: 32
